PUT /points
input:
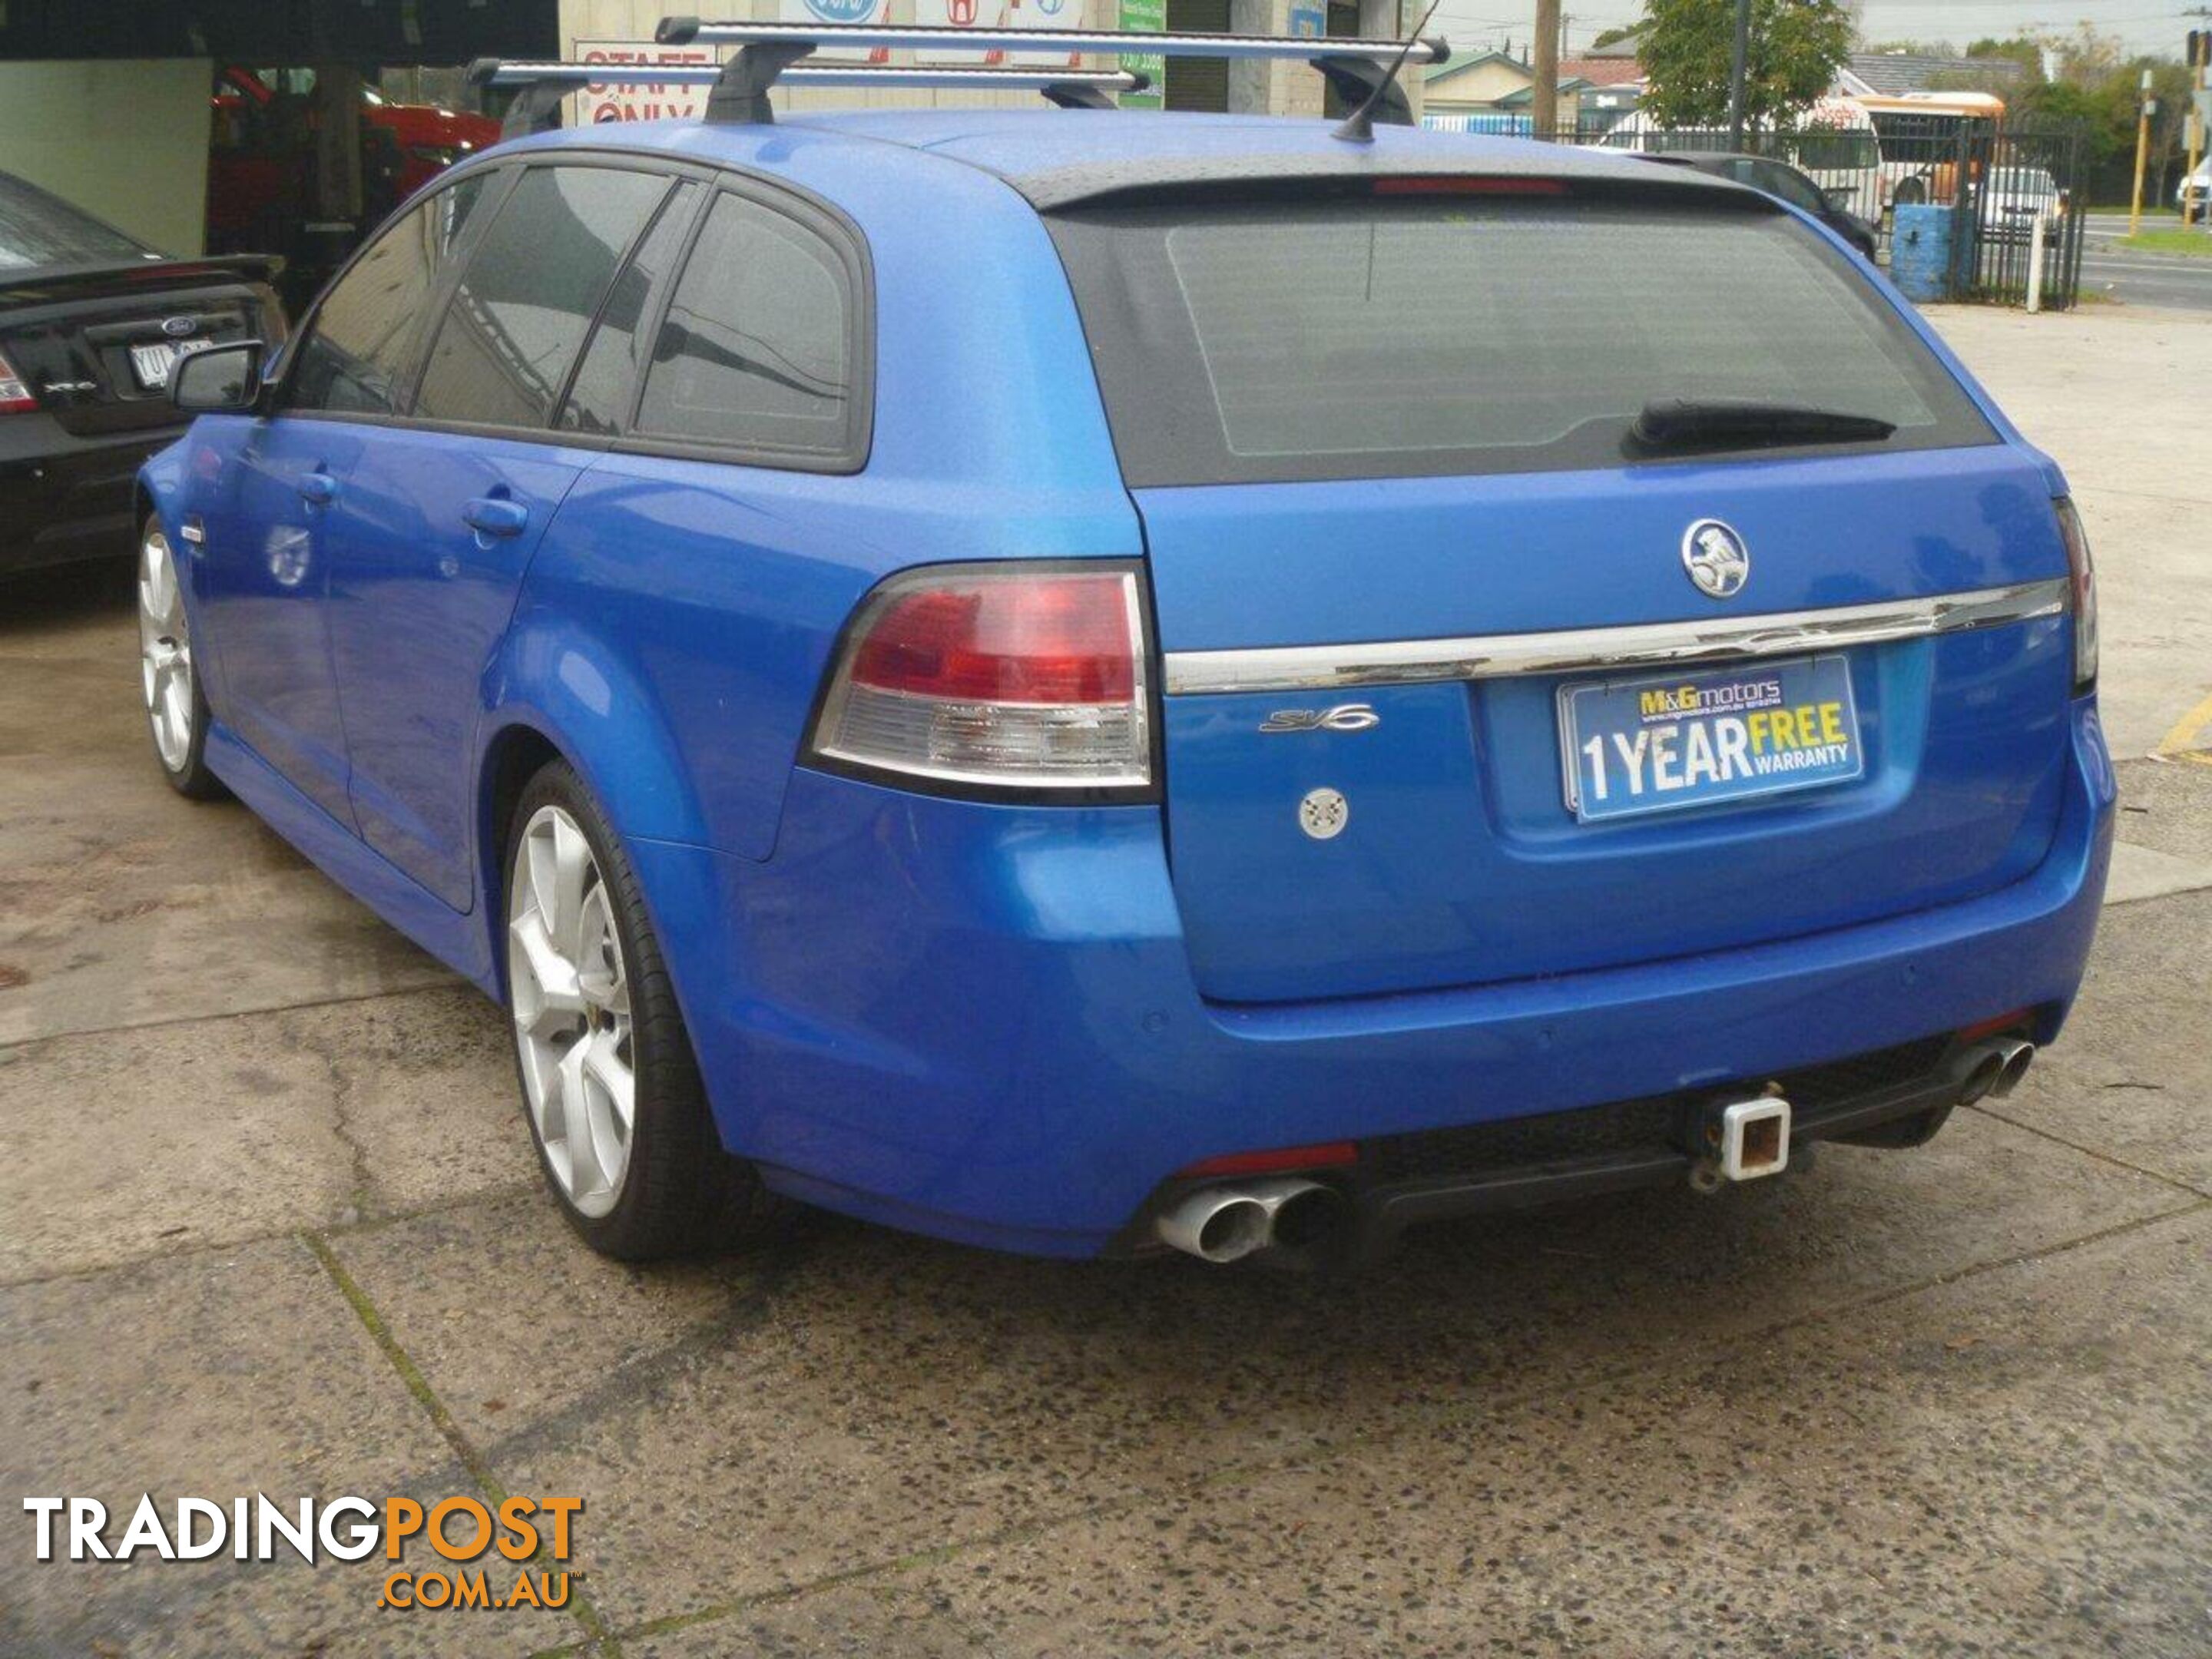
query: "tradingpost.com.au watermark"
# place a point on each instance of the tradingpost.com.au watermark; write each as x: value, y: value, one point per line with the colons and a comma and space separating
x: 460, y: 1532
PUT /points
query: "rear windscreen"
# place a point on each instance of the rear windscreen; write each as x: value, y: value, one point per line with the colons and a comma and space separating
x: 1364, y: 339
x: 37, y: 230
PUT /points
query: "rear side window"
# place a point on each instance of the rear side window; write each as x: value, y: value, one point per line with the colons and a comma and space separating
x: 360, y: 346
x: 40, y: 232
x: 1378, y: 338
x: 517, y: 321
x: 758, y: 350
x: 600, y: 400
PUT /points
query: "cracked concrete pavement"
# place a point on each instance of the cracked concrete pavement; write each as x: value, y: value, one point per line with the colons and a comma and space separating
x: 271, y: 1222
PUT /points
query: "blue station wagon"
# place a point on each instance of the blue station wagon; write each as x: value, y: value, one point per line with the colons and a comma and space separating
x: 1097, y: 682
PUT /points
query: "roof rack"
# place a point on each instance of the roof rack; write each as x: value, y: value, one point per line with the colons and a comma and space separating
x: 1356, y: 69
x: 544, y: 85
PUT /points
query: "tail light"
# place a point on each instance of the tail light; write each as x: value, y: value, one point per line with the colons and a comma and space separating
x: 2084, y: 577
x: 996, y: 677
x: 15, y: 396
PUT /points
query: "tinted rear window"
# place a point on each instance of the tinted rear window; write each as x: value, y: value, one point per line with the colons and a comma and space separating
x: 1382, y: 338
x: 38, y: 231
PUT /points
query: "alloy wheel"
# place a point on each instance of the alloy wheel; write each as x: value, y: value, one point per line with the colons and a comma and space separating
x: 165, y: 652
x: 571, y: 1007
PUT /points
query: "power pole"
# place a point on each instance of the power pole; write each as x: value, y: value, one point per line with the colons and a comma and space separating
x: 1738, y: 57
x: 2142, y: 153
x: 2200, y: 54
x: 1544, y: 92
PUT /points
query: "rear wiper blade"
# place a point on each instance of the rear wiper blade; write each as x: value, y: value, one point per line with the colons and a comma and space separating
x: 1694, y: 422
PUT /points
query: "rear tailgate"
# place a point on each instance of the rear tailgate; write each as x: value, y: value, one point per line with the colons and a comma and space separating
x: 1401, y: 440
x: 1462, y: 860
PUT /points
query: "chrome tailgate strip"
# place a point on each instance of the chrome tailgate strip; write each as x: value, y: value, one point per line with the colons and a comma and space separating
x: 1597, y: 650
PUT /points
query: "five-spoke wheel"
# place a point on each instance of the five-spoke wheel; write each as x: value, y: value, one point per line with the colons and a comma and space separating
x: 572, y: 1016
x: 175, y: 708
x: 613, y: 1091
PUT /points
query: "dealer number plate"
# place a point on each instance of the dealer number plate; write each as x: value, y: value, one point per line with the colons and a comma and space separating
x: 1656, y: 744
x: 152, y: 363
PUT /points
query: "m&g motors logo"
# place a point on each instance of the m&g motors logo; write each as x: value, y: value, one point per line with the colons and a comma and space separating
x: 477, y: 1542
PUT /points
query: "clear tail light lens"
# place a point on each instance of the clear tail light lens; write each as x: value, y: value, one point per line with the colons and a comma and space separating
x: 15, y: 396
x: 2084, y: 575
x: 996, y: 677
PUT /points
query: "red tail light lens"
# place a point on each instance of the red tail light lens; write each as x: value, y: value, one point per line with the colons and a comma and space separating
x: 2084, y: 577
x: 1002, y: 676
x: 15, y: 396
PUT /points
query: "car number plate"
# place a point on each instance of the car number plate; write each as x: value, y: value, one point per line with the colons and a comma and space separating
x: 152, y: 363
x: 1660, y: 742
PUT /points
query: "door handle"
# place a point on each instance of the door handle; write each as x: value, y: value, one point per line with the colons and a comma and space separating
x: 496, y: 515
x: 318, y: 489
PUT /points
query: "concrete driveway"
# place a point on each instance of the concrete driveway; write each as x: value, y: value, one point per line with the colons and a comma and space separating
x: 268, y: 1222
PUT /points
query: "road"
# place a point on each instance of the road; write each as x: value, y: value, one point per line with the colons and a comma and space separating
x: 2174, y: 282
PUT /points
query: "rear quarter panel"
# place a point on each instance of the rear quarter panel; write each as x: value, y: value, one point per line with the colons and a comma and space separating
x: 676, y: 625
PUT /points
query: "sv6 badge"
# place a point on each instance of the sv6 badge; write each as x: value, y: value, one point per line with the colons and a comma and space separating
x: 1345, y: 717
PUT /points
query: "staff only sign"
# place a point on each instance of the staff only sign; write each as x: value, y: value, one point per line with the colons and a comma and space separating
x: 650, y: 102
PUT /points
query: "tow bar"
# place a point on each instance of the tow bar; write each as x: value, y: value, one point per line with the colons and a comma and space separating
x: 1741, y: 1141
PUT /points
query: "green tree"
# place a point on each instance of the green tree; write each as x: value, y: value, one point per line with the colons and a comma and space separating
x: 1795, y: 47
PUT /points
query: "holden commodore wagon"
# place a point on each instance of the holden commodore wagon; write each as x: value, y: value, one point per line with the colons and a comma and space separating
x: 1098, y: 683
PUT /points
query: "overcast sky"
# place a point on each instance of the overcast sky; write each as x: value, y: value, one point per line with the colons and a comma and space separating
x: 2145, y: 25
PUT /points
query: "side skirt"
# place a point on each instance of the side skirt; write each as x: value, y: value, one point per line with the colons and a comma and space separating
x: 456, y: 938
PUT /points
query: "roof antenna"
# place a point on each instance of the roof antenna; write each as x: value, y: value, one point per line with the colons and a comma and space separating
x: 1359, y: 127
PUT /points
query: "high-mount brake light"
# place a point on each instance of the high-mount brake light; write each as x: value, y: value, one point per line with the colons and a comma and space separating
x: 1446, y: 185
x: 15, y: 396
x: 998, y: 676
x: 2083, y: 574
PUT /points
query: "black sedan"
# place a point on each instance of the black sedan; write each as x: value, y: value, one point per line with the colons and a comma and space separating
x: 1779, y: 179
x: 91, y: 323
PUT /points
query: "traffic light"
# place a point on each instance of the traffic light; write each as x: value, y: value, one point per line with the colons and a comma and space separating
x: 2200, y: 48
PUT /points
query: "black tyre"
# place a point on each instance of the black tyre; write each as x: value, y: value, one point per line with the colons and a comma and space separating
x: 176, y: 707
x: 610, y: 1082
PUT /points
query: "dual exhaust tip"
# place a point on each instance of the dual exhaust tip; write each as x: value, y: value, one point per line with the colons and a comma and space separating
x: 1227, y: 1224
x: 1993, y: 1070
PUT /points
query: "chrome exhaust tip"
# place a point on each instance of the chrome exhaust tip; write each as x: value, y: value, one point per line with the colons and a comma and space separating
x: 2013, y: 1059
x: 1217, y: 1224
x: 1301, y: 1214
x: 1226, y: 1224
x: 1984, y: 1070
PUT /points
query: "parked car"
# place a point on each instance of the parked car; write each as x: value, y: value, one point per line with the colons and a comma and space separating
x: 2193, y: 191
x: 2011, y: 199
x: 91, y: 320
x: 1785, y: 183
x: 1268, y: 689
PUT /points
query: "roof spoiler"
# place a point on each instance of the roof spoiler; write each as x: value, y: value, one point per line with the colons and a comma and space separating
x: 544, y: 85
x: 1359, y: 71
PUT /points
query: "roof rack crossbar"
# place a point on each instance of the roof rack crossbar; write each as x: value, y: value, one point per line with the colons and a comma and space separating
x: 1353, y: 68
x: 544, y: 85
x: 686, y: 31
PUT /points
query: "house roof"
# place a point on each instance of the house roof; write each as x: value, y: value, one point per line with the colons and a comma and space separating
x: 1466, y: 60
x: 1894, y: 73
x: 1604, y: 71
x: 1522, y: 96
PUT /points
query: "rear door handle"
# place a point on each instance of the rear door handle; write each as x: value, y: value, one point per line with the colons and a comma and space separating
x: 318, y: 489
x: 496, y: 515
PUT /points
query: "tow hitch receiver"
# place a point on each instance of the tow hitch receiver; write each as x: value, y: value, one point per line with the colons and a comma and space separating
x: 1743, y: 1140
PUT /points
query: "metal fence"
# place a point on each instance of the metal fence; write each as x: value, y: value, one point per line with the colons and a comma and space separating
x: 1995, y: 181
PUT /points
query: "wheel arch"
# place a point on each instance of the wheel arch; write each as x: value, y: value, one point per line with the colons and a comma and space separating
x: 555, y: 692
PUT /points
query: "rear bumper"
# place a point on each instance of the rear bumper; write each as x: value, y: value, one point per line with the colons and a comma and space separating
x: 64, y: 498
x: 979, y: 1022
